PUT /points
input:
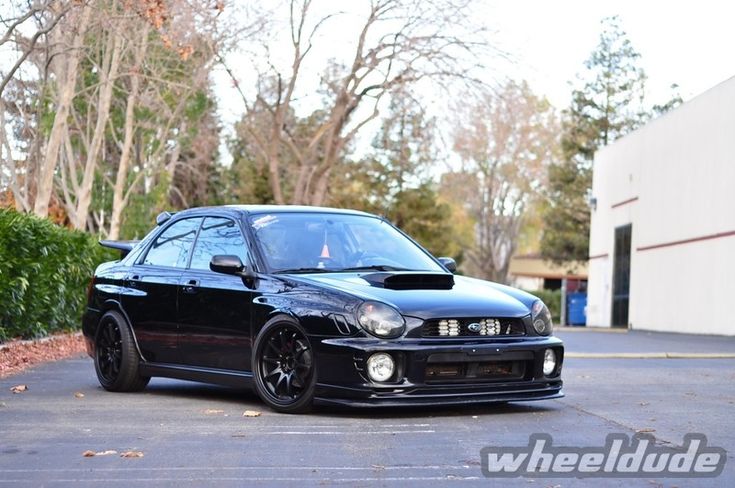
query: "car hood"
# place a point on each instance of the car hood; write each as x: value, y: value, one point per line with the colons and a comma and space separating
x: 468, y: 297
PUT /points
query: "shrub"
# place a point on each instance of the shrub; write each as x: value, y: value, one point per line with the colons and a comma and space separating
x: 44, y: 271
x: 552, y: 299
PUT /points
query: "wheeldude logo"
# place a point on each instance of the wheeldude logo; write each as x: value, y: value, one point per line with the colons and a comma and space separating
x: 621, y: 457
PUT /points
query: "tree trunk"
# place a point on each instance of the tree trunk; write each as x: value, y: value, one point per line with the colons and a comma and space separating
x: 319, y: 195
x: 119, y: 200
x: 275, y: 177
x: 298, y: 194
x: 66, y: 95
x: 108, y: 75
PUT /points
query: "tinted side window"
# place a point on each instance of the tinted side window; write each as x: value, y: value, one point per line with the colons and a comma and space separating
x: 172, y: 248
x: 218, y: 236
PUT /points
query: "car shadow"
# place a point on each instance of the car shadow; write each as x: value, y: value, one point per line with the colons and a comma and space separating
x: 247, y: 399
x: 203, y: 391
x: 487, y: 409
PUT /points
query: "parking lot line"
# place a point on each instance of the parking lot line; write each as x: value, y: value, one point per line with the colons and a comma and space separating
x: 649, y: 355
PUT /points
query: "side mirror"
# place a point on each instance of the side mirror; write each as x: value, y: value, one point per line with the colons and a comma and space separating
x: 226, y: 264
x: 449, y: 263
x: 232, y: 265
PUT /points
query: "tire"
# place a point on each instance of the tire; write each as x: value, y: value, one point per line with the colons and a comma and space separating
x: 116, y: 358
x: 284, y: 366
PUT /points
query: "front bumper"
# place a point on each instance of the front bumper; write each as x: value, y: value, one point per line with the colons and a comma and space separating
x: 344, y: 381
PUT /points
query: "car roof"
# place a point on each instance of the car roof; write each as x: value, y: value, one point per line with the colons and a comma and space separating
x: 269, y: 209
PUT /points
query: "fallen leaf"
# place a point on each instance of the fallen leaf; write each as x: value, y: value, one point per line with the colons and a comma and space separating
x: 132, y: 454
x: 79, y: 394
x: 377, y: 466
x: 17, y: 355
x: 212, y: 411
x: 643, y: 404
x: 98, y: 453
x: 2, y: 405
x: 19, y: 388
x: 251, y: 413
x: 647, y: 429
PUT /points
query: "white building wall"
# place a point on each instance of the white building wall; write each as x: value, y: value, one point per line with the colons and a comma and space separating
x: 673, y: 180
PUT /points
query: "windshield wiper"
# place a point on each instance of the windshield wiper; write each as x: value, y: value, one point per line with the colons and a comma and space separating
x: 302, y: 270
x: 375, y: 267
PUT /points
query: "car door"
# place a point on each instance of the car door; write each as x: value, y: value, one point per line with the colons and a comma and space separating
x: 151, y: 285
x: 215, y: 309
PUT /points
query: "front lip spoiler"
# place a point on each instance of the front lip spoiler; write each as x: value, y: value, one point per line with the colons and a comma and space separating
x: 408, y: 401
x: 436, y: 395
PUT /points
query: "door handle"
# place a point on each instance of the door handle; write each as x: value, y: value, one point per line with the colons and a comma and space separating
x: 191, y: 286
x: 131, y: 280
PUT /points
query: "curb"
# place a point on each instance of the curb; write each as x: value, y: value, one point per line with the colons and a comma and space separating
x: 609, y: 330
x: 649, y: 355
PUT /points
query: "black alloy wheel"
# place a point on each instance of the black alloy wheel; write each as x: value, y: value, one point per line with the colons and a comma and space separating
x: 116, y: 358
x: 109, y: 351
x: 285, y: 368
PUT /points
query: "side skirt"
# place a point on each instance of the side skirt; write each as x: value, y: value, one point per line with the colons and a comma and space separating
x: 225, y: 377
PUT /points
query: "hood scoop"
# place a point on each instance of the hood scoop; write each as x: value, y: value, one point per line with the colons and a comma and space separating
x: 411, y: 281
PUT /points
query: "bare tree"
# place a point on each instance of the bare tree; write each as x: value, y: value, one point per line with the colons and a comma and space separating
x: 67, y: 61
x: 150, y: 61
x: 119, y: 196
x: 399, y: 43
x: 506, y: 141
x: 108, y: 71
x: 35, y: 9
x: 169, y: 89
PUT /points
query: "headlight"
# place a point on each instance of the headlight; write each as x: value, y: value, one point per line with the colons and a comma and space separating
x: 380, y: 320
x: 549, y: 362
x: 380, y: 367
x: 541, y: 318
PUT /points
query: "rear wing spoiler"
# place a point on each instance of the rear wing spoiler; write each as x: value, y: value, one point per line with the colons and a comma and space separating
x: 123, y: 246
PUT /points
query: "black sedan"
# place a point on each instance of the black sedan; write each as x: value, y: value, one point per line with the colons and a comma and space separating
x: 313, y: 305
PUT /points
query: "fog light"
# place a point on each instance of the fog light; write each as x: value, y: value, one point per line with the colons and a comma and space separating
x: 380, y: 367
x: 549, y: 362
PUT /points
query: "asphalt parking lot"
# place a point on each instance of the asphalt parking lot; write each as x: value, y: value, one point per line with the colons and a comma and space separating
x: 196, y: 435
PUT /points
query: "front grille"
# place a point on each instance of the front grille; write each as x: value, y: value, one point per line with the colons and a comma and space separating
x: 474, y: 371
x: 474, y: 327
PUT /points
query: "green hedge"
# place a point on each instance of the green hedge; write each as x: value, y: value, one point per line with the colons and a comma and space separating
x: 552, y: 299
x: 44, y: 273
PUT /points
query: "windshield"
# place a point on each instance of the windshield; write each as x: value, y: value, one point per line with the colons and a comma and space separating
x: 324, y: 242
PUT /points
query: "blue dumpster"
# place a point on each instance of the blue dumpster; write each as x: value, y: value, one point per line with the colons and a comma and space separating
x: 576, y: 308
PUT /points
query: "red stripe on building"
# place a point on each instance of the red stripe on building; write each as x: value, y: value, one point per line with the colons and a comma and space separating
x: 598, y: 256
x: 624, y: 202
x: 687, y: 241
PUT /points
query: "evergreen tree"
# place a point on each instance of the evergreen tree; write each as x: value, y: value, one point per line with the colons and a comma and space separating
x: 607, y: 103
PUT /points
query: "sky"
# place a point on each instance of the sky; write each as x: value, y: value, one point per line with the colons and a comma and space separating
x: 687, y: 42
x: 690, y: 43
